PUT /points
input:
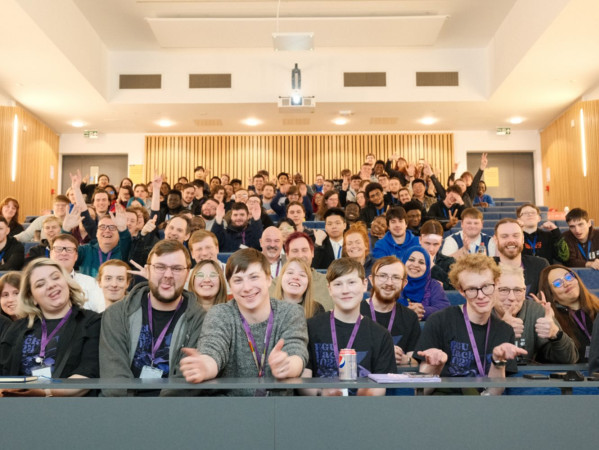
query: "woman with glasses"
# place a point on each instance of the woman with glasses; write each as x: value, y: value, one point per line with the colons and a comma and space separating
x: 574, y: 306
x: 208, y: 284
x: 535, y: 327
x: 54, y: 336
x: 295, y: 286
x: 422, y: 294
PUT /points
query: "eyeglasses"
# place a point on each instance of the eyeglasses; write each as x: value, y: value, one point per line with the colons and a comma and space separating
x: 505, y: 291
x: 558, y: 283
x: 107, y: 227
x: 472, y: 292
x: 383, y: 277
x: 68, y: 250
x: 203, y: 276
x: 528, y: 213
x: 162, y: 268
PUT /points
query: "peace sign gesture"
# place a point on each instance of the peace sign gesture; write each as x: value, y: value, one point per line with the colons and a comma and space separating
x: 453, y: 218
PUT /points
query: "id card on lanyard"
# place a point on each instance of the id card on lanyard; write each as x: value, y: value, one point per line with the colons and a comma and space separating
x: 480, y: 365
x: 43, y: 370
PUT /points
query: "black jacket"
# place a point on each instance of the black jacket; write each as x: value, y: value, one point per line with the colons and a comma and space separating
x: 13, y: 255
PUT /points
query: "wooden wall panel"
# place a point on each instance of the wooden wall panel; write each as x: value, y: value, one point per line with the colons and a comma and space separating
x: 562, y: 155
x: 37, y: 154
x: 242, y: 156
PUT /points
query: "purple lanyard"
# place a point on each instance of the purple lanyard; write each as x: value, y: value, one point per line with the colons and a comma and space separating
x: 258, y: 360
x: 158, y: 342
x: 373, y: 315
x: 278, y: 267
x: 108, y: 255
x: 351, y: 338
x: 243, y: 237
x: 45, y: 338
x: 581, y: 324
x: 482, y: 368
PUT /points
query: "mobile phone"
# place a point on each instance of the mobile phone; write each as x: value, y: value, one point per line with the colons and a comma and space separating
x: 536, y: 376
x: 557, y: 375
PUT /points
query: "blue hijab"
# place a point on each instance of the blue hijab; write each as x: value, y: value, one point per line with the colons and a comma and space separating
x: 417, y: 289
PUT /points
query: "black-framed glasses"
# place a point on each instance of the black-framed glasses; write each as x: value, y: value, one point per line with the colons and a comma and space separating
x: 472, y: 292
x: 107, y: 227
x: 69, y: 250
x: 559, y: 282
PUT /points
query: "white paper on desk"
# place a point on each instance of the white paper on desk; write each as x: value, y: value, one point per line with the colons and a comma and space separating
x: 402, y: 377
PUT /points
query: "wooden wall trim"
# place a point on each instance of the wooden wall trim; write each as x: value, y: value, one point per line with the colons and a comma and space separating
x: 561, y: 154
x: 37, y: 159
x: 241, y: 156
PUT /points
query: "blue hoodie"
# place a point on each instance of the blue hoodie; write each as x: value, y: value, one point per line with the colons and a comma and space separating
x: 388, y: 247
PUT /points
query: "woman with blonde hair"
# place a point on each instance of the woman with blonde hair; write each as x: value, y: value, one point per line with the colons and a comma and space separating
x: 356, y: 246
x: 294, y: 285
x: 54, y: 336
x: 207, y: 282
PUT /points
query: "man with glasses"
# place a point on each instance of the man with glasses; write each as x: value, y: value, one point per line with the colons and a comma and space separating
x: 538, y: 240
x: 143, y: 334
x: 113, y: 240
x: 509, y: 239
x: 63, y: 250
x: 535, y: 327
x: 467, y: 340
x: 388, y: 279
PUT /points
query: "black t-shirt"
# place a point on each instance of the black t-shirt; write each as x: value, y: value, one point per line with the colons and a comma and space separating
x: 373, y: 346
x: 405, y: 330
x: 446, y: 330
x: 142, y: 356
x: 32, y: 343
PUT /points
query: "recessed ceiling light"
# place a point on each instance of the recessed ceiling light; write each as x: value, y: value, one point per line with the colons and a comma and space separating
x: 428, y: 120
x: 77, y: 123
x: 516, y: 120
x: 252, y: 122
x: 165, y: 123
x: 340, y: 121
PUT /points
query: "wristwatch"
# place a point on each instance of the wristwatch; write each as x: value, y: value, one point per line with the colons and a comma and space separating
x: 500, y: 363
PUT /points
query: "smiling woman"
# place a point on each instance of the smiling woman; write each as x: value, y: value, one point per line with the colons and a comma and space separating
x: 295, y: 286
x: 208, y: 284
x: 54, y: 337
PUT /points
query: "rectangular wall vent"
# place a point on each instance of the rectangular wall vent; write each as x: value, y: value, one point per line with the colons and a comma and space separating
x: 364, y: 79
x: 140, y: 81
x: 209, y: 81
x: 437, y: 79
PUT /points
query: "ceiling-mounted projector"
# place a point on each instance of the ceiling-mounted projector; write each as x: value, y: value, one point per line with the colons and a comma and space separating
x: 297, y: 105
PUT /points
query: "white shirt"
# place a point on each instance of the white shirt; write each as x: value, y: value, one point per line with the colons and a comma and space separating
x: 451, y: 246
x: 93, y: 293
x: 337, y: 248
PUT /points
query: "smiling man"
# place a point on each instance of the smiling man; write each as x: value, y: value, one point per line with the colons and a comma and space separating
x: 467, y: 341
x: 398, y: 238
x: 471, y: 239
x: 243, y: 231
x: 252, y: 316
x: 345, y: 327
x: 142, y: 335
x: 272, y: 244
x: 509, y: 238
x: 579, y: 246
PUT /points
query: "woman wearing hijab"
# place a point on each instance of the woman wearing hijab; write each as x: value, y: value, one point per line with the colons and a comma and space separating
x: 422, y: 294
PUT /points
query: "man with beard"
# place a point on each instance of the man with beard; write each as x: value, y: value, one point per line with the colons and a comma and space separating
x: 376, y: 205
x: 509, y: 238
x: 174, y: 205
x: 142, y: 335
x: 272, y: 244
x: 392, y: 197
x: 243, y: 231
x: 208, y: 212
x: 388, y: 278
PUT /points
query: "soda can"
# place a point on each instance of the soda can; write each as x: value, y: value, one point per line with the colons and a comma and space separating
x: 348, y: 365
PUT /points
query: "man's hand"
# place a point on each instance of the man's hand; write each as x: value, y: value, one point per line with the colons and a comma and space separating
x: 453, y: 219
x: 593, y: 264
x: 142, y: 271
x: 279, y: 361
x: 319, y: 236
x: 548, y: 226
x: 194, y: 366
x: 76, y: 180
x: 507, y: 351
x: 545, y: 327
x: 220, y: 213
x: 516, y: 323
x: 255, y: 211
x: 72, y: 219
x: 434, y: 356
x: 157, y: 181
x: 149, y: 226
x: 119, y: 217
x: 399, y: 354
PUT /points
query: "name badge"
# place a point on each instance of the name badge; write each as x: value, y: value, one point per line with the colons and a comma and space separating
x: 42, y: 371
x: 150, y: 372
x: 587, y: 351
x: 242, y: 246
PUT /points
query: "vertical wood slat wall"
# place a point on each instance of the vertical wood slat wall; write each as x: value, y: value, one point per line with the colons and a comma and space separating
x: 242, y: 156
x: 37, y: 153
x: 562, y: 154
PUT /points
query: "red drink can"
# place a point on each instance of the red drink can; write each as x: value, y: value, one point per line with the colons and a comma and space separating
x: 348, y: 365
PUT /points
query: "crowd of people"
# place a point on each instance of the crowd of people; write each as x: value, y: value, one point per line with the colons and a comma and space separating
x: 130, y: 282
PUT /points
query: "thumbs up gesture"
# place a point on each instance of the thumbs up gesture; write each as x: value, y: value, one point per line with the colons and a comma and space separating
x: 278, y: 360
x: 196, y: 367
x: 516, y: 323
x: 545, y: 327
x: 149, y: 226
